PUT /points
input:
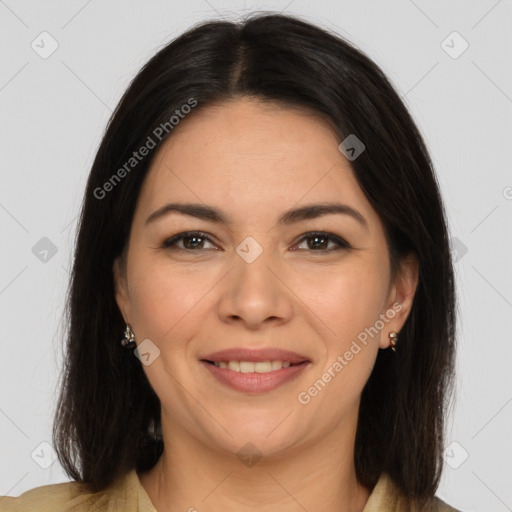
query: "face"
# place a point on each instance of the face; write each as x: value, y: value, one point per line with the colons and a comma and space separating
x: 255, y: 281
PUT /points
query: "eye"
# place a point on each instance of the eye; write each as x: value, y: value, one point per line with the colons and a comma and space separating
x: 192, y: 240
x: 320, y: 241
x: 195, y: 240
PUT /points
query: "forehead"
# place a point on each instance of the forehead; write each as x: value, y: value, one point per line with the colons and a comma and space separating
x: 251, y: 157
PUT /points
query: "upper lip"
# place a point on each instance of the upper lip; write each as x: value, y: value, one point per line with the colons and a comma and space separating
x: 255, y: 355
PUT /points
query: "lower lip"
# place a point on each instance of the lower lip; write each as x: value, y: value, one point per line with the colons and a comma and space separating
x: 255, y: 382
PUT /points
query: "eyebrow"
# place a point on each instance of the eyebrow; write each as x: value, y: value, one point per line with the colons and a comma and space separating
x: 212, y: 214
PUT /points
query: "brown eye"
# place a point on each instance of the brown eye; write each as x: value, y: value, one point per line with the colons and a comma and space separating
x: 319, y: 242
x: 192, y: 241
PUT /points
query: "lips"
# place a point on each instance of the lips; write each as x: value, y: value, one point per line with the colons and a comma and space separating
x: 255, y: 355
x: 255, y: 383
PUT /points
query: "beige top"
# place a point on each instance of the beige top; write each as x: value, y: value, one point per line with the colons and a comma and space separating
x: 128, y: 495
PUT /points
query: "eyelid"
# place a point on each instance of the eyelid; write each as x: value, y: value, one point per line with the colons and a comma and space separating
x: 339, y: 241
x: 170, y: 243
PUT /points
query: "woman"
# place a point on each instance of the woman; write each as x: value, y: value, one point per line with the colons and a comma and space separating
x: 263, y: 223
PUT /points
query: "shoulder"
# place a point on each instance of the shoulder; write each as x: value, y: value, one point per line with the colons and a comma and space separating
x: 74, y: 497
x: 55, y: 497
x: 386, y: 497
x: 438, y: 505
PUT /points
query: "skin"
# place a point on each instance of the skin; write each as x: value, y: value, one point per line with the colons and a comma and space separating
x: 255, y: 160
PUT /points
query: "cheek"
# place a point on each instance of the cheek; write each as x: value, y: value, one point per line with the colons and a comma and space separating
x: 347, y: 299
x: 163, y: 299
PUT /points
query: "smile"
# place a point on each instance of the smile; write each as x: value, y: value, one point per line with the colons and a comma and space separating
x: 251, y: 366
x: 254, y: 377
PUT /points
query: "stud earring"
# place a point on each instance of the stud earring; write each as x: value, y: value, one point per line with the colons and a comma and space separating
x: 393, y: 336
x: 129, y: 338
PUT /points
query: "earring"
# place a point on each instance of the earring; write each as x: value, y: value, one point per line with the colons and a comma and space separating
x: 154, y: 431
x: 129, y: 338
x: 393, y: 336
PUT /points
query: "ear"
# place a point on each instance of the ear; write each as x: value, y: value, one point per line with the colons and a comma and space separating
x: 121, y: 288
x: 400, y: 298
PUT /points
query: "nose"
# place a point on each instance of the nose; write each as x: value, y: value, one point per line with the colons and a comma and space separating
x: 255, y: 293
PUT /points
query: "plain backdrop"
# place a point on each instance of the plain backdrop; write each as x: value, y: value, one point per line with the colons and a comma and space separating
x: 64, y: 66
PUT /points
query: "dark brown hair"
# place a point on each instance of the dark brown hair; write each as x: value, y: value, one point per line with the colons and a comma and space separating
x: 107, y: 409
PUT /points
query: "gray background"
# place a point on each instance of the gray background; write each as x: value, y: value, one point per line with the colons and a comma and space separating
x: 54, y: 111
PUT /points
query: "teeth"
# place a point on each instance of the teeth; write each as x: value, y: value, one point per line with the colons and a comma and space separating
x: 252, y: 367
x: 277, y: 365
x: 234, y: 365
x: 246, y: 367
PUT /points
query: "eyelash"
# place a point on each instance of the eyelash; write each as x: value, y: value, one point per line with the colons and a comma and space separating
x: 171, y: 242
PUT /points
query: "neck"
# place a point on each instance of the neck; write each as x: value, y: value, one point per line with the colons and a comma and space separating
x: 191, y: 476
